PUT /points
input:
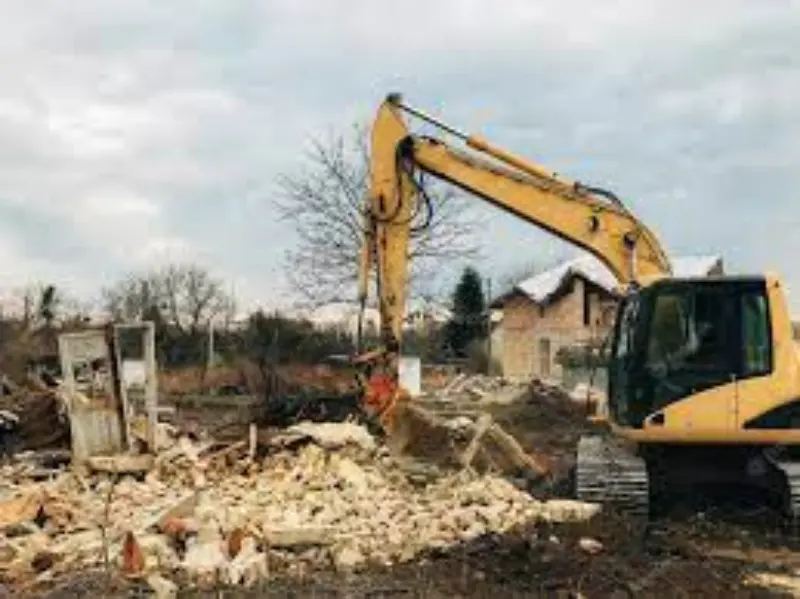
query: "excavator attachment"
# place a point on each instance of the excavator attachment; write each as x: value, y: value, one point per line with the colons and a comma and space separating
x: 409, y: 428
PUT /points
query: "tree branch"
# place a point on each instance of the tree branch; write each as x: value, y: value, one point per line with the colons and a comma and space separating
x: 323, y: 201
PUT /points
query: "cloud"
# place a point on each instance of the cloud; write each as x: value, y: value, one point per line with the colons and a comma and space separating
x: 136, y: 132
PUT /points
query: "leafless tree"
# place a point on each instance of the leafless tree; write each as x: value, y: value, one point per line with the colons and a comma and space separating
x: 186, y: 296
x: 323, y: 202
x: 40, y: 304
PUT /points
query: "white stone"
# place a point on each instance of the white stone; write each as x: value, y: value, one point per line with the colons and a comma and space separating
x: 333, y: 435
x: 352, y: 473
x: 204, y: 560
x: 568, y: 510
x: 162, y: 588
x: 590, y: 545
x: 348, y: 558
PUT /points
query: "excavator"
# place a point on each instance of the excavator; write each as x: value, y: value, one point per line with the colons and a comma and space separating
x: 703, y: 378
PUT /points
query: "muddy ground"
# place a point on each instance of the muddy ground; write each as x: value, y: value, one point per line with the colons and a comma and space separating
x: 703, y: 550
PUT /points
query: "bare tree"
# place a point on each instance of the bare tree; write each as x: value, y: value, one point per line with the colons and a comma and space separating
x: 186, y: 295
x: 323, y: 201
x: 43, y: 305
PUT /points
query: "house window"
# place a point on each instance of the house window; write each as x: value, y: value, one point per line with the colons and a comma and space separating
x: 755, y: 335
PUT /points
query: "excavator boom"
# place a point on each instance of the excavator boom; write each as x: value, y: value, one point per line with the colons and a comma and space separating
x: 594, y: 219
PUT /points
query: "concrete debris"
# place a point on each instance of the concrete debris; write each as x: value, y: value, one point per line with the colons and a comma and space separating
x: 785, y: 583
x: 204, y: 559
x: 166, y: 434
x: 33, y: 419
x: 338, y: 500
x: 589, y: 545
x: 248, y: 567
x: 298, y: 536
x: 330, y: 435
x: 348, y: 558
x: 162, y: 588
x: 487, y: 389
x: 121, y: 464
x: 19, y: 510
x: 569, y: 510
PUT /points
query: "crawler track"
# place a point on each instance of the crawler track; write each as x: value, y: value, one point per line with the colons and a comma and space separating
x: 606, y: 473
x: 792, y: 472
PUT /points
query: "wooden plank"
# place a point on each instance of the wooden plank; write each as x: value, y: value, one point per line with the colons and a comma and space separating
x: 485, y: 421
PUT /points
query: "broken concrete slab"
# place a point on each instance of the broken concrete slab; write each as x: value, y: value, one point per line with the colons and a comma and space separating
x: 562, y: 511
x: 248, y: 567
x: 330, y: 435
x: 204, y: 561
x: 162, y: 587
x: 20, y: 509
x: 298, y: 536
x: 121, y: 463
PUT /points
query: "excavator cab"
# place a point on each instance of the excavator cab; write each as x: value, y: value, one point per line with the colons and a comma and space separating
x: 679, y: 337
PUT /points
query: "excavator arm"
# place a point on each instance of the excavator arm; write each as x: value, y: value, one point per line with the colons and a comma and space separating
x: 591, y: 218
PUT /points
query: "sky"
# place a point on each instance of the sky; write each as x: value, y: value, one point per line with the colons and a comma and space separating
x: 138, y: 132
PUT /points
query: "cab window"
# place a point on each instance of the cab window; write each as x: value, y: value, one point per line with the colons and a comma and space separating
x: 756, y: 342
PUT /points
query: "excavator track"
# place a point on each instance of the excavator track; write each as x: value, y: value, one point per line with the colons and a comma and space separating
x: 606, y: 473
x: 792, y: 472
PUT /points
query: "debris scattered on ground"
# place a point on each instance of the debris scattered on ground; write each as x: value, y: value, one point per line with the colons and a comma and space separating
x: 330, y: 435
x: 41, y: 419
x: 338, y: 500
x: 546, y: 423
x: 313, y: 494
x: 479, y: 387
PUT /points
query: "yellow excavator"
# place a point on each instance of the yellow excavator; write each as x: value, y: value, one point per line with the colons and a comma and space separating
x: 703, y: 373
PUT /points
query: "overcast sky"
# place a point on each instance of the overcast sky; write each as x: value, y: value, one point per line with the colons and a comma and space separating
x: 133, y: 132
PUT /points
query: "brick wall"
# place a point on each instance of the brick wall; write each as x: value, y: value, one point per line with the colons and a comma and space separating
x: 532, y: 335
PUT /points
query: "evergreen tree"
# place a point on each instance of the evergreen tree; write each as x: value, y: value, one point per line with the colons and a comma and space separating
x: 468, y: 320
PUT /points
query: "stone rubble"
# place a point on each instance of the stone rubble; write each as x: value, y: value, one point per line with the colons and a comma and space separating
x: 340, y: 500
x: 480, y: 387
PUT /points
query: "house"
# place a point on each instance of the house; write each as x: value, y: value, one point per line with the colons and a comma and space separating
x: 422, y: 314
x: 567, y: 305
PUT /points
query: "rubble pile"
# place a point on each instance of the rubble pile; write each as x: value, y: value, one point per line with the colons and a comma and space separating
x: 339, y: 500
x: 40, y: 417
x: 476, y: 385
x: 477, y: 388
x: 550, y: 405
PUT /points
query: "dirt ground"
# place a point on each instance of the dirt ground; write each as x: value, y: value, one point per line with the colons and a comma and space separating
x: 689, y: 552
x: 531, y: 563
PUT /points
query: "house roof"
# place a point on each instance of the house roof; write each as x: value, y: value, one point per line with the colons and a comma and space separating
x: 541, y: 287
